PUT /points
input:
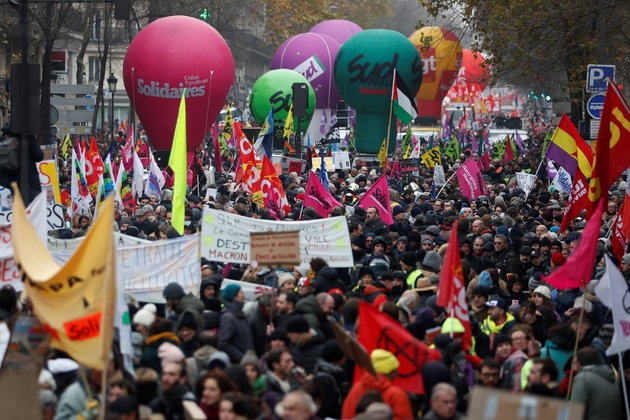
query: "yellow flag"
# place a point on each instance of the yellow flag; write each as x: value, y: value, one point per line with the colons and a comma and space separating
x: 432, y: 157
x: 288, y: 125
x: 177, y: 161
x: 76, y: 301
x: 382, y: 154
x: 64, y: 146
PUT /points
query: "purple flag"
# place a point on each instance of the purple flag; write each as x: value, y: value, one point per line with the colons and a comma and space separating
x: 471, y: 180
x: 322, y: 124
x: 346, y: 139
x: 352, y: 117
x: 446, y: 128
x: 333, y: 117
x: 486, y: 140
x: 551, y: 170
x: 475, y: 146
x: 519, y: 141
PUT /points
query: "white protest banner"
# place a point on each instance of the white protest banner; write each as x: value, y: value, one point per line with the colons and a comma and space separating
x: 525, y: 181
x: 251, y: 290
x: 225, y: 238
x: 562, y: 181
x: 54, y: 217
x: 147, y: 268
x: 439, y: 178
x: 341, y: 160
x: 120, y: 239
x: 316, y: 163
x: 36, y: 213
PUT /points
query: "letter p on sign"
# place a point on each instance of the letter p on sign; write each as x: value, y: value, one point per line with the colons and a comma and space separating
x: 597, y: 76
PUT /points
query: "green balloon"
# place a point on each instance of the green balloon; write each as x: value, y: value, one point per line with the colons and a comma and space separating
x: 364, y: 70
x: 274, y: 90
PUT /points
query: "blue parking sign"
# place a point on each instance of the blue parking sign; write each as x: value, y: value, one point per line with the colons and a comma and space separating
x: 597, y: 76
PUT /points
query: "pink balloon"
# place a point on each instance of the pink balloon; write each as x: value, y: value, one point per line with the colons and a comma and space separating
x: 338, y: 29
x: 167, y: 56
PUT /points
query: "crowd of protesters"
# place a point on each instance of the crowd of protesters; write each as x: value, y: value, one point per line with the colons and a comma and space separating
x: 277, y: 357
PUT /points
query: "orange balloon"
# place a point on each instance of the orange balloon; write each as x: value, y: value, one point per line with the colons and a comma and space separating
x: 441, y: 62
x: 472, y: 70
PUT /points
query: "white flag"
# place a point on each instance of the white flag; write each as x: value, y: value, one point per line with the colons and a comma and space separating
x: 562, y: 181
x: 612, y: 291
x: 138, y: 176
x: 415, y: 153
x: 439, y: 178
x: 156, y: 180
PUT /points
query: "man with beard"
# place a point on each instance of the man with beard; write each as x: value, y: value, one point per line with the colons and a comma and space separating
x: 611, y: 211
x: 174, y: 392
x: 374, y: 224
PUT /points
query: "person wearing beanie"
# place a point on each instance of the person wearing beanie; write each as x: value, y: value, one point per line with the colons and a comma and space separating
x: 251, y: 364
x: 160, y: 331
x: 399, y: 215
x: 329, y: 375
x: 538, y: 267
x: 142, y: 320
x: 478, y: 301
x: 198, y: 363
x: 287, y: 283
x: 381, y: 288
x: 557, y: 261
x: 365, y: 278
x: 408, y: 265
x: 188, y: 331
x: 386, y: 366
x: 431, y: 264
x: 177, y: 302
x: 235, y: 336
x: 173, y: 293
x: 307, y: 343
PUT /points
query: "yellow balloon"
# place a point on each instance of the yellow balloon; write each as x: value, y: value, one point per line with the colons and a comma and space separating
x: 441, y: 62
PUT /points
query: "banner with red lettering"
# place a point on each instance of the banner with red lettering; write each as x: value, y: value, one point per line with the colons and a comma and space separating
x: 578, y: 200
x: 471, y: 180
x: 619, y: 240
x: 318, y: 197
x: 378, y: 196
x: 37, y: 216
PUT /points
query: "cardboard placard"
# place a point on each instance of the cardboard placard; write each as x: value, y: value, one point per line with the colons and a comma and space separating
x: 408, y: 166
x: 351, y: 348
x: 317, y: 163
x: 293, y: 165
x: 275, y: 248
x: 495, y: 404
x: 342, y: 160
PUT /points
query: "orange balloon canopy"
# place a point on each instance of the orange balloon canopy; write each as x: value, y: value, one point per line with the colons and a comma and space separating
x: 441, y: 62
x: 473, y: 70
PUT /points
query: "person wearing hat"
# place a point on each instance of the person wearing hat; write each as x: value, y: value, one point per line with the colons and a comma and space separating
x: 143, y: 221
x: 399, y: 214
x: 210, y: 287
x: 408, y: 265
x: 329, y: 375
x: 177, y: 302
x: 386, y: 366
x: 235, y: 336
x: 499, y: 320
x: 305, y: 288
x: 125, y: 407
x: 188, y: 332
x: 378, y: 261
x: 538, y: 266
x: 142, y: 320
x: 287, y: 283
x: 478, y: 301
x: 380, y: 289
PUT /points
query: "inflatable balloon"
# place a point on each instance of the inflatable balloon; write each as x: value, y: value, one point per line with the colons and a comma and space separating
x: 273, y: 90
x: 473, y: 72
x: 441, y: 63
x: 167, y: 56
x: 364, y: 71
x: 313, y: 56
x: 338, y: 29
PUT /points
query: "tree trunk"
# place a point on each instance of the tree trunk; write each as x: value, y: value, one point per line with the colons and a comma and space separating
x: 88, y: 18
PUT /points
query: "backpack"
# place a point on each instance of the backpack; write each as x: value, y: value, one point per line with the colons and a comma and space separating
x: 9, y: 153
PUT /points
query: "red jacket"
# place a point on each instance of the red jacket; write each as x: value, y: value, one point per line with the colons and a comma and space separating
x: 392, y: 396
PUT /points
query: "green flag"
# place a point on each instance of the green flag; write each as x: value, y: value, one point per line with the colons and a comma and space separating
x: 452, y: 150
x: 431, y: 140
x: 499, y: 150
x: 406, y: 142
x: 545, y: 144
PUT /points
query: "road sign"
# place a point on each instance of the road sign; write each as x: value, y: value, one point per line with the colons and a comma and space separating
x: 597, y: 76
x: 74, y: 130
x: 58, y: 100
x: 72, y: 89
x: 595, y: 105
x: 595, y: 128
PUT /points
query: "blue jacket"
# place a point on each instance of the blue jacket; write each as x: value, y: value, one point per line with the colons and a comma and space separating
x: 559, y: 354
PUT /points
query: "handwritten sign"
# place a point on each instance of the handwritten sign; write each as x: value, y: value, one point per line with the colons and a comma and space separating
x: 330, y: 163
x: 408, y: 166
x: 275, y: 248
x: 342, y: 160
x: 225, y: 237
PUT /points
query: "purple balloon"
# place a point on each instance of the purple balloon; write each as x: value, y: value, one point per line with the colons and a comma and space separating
x: 313, y: 56
x: 338, y: 29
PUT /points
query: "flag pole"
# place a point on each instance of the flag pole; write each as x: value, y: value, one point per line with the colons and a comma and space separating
x: 623, y: 384
x: 447, y: 181
x: 575, y: 349
x: 391, y: 109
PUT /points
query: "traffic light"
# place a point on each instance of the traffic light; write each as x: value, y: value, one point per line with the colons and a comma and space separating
x: 547, y: 98
x: 205, y: 15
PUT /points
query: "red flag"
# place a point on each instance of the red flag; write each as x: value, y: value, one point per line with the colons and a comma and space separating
x: 93, y: 167
x: 578, y: 269
x: 378, y: 196
x: 624, y: 211
x: 578, y: 200
x: 485, y: 161
x: 271, y: 203
x: 143, y: 154
x: 619, y: 238
x: 613, y: 141
x: 452, y: 295
x: 378, y: 331
x: 395, y: 172
x: 509, y: 153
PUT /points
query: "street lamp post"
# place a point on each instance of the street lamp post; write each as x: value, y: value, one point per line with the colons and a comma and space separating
x: 111, y: 81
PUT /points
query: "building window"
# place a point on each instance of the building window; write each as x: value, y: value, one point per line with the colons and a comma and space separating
x: 94, y: 69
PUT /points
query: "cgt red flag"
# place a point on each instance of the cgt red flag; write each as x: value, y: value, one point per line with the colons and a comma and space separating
x: 452, y: 295
x: 378, y: 331
x: 578, y: 270
x: 578, y: 200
